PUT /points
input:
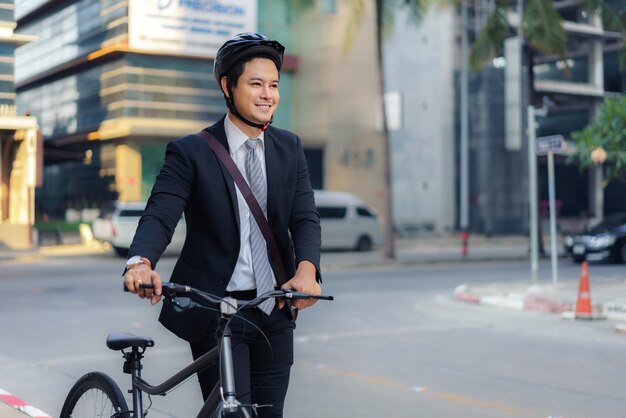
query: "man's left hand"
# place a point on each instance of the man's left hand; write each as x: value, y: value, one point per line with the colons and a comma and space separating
x: 304, y: 281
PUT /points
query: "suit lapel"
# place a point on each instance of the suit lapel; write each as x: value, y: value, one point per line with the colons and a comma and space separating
x: 271, y: 164
x: 217, y: 130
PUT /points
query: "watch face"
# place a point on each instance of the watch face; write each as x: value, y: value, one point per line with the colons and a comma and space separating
x: 133, y: 260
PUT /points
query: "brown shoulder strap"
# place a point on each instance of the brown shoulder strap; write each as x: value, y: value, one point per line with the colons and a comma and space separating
x: 254, y: 206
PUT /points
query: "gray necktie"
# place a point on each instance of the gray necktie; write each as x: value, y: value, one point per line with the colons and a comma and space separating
x: 260, y: 264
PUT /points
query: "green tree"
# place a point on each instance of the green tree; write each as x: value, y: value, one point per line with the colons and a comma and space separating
x: 604, y: 140
x: 542, y: 27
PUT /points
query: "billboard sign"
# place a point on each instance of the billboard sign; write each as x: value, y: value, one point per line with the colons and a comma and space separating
x: 188, y: 27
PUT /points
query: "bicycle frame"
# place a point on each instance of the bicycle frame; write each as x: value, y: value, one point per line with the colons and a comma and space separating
x: 223, y: 397
x: 226, y: 383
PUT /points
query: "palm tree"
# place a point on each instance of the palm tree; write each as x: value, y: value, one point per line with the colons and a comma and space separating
x: 385, y: 10
x: 542, y: 27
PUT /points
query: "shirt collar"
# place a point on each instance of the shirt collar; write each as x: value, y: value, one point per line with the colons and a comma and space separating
x: 236, y: 138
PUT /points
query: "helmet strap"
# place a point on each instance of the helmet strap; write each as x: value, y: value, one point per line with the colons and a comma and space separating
x: 231, y: 106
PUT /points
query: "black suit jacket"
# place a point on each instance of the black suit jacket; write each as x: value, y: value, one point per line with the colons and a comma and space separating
x: 193, y: 180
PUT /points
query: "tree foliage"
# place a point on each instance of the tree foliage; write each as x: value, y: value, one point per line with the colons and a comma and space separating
x: 607, y: 133
x: 542, y: 28
x: 417, y: 9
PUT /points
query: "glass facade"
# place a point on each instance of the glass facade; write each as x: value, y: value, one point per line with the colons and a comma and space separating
x: 6, y: 12
x: 275, y: 21
x: 72, y: 93
x: 614, y: 76
x: 69, y: 33
x: 7, y: 60
x: 77, y: 184
x: 23, y: 7
x: 144, y: 86
x: 575, y: 70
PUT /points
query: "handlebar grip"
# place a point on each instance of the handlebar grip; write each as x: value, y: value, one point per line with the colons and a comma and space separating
x: 292, y: 294
x: 143, y: 286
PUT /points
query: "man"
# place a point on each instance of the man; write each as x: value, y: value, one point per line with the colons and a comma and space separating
x: 219, y: 255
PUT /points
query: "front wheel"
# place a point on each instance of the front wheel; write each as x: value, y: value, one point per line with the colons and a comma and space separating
x: 95, y: 395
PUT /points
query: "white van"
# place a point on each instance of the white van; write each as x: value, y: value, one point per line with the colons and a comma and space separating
x: 347, y: 222
x: 119, y: 228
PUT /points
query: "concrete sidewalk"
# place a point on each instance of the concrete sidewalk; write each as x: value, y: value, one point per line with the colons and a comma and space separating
x: 67, y: 250
x: 426, y: 249
x: 433, y: 250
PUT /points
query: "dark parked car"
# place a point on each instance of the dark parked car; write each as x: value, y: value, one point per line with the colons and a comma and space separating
x: 604, y: 241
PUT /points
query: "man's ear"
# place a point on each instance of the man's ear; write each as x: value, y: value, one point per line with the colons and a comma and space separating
x: 224, y: 85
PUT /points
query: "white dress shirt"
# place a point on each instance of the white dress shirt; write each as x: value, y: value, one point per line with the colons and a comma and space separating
x: 243, y: 275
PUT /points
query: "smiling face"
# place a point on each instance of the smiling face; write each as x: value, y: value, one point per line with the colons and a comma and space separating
x: 256, y: 94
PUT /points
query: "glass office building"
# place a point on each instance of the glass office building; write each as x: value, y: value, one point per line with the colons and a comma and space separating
x: 110, y: 90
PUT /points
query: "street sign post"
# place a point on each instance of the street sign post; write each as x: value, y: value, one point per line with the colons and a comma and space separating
x: 549, y: 145
x: 552, y: 143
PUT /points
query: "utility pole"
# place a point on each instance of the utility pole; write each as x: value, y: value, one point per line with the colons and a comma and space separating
x: 532, y: 194
x: 464, y: 175
x: 389, y: 249
x: 532, y: 150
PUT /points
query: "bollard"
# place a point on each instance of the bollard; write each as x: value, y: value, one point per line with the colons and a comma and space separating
x: 464, y: 246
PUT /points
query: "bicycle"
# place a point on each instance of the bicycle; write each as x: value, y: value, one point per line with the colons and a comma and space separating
x: 96, y: 394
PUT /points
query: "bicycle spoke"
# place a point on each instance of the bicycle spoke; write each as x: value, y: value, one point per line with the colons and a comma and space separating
x: 95, y: 404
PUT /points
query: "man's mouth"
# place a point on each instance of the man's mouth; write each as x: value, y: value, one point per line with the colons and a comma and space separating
x: 264, y: 106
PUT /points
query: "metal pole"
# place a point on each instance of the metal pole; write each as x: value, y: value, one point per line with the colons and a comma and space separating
x: 551, y: 196
x: 464, y: 218
x: 532, y: 194
x: 1, y: 185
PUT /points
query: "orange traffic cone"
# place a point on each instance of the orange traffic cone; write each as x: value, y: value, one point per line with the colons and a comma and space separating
x: 583, y: 304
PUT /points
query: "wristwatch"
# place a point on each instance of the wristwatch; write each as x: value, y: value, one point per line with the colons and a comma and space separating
x: 134, y: 261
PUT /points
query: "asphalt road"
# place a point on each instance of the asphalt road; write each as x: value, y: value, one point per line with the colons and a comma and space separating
x: 393, y: 344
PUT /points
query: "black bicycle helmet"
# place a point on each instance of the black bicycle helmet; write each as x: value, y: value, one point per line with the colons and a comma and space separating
x: 240, y: 47
x: 243, y: 46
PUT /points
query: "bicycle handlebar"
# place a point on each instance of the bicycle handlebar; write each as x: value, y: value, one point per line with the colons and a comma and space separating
x: 171, y: 290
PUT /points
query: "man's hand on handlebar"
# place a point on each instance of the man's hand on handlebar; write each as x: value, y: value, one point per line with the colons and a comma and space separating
x: 304, y: 281
x: 143, y: 274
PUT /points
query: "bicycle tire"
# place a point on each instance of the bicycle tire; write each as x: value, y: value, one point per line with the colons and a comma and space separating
x: 95, y: 395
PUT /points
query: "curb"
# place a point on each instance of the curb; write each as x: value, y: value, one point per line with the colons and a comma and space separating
x: 610, y: 310
x: 19, y: 407
x: 517, y: 301
x: 57, y: 251
x: 417, y: 261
